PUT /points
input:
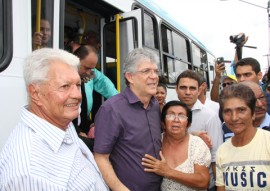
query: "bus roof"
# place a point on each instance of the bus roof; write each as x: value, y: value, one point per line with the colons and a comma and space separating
x: 151, y: 5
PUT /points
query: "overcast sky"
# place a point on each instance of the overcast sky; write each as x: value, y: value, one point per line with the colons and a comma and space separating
x: 213, y: 21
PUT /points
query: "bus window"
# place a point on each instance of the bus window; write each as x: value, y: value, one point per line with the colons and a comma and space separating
x: 43, y: 37
x: 200, y: 62
x: 176, y: 54
x: 180, y: 47
x: 150, y: 32
x: 166, y: 39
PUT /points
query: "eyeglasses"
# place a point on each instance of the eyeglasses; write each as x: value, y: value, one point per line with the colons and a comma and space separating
x: 148, y: 71
x: 261, y: 98
x: 227, y: 84
x: 172, y: 117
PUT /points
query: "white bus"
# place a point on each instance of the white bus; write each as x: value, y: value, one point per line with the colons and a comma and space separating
x: 121, y: 25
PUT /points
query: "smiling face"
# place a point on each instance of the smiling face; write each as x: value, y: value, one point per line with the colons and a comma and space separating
x: 143, y: 82
x: 58, y: 99
x: 161, y: 95
x: 176, y: 127
x: 237, y: 115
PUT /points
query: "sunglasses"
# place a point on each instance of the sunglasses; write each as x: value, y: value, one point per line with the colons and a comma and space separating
x: 226, y: 84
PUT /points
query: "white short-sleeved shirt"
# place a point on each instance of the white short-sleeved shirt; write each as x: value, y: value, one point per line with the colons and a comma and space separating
x: 198, y: 153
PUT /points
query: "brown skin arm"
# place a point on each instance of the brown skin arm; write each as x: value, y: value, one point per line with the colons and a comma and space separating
x: 108, y: 173
x: 199, y: 179
x: 219, y: 68
x: 220, y: 188
x: 37, y: 40
x: 213, y: 165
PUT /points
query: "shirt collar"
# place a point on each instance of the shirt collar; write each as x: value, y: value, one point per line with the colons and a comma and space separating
x: 266, y: 121
x: 197, y: 106
x: 132, y: 98
x: 51, y: 134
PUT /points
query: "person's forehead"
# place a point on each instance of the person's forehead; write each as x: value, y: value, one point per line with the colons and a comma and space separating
x: 228, y: 80
x: 188, y: 82
x: 66, y: 70
x: 234, y: 103
x: 244, y: 69
x: 177, y: 109
x: 145, y: 63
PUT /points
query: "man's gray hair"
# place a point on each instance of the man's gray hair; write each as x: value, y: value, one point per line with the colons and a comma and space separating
x: 135, y: 56
x: 37, y: 64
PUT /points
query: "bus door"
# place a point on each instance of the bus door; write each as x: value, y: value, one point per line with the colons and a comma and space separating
x: 115, y: 50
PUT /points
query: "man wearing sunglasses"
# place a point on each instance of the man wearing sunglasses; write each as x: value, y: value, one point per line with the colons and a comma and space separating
x: 228, y: 80
x: 224, y: 80
x: 262, y: 118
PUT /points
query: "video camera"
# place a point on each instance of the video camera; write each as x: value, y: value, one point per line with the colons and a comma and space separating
x: 237, y: 39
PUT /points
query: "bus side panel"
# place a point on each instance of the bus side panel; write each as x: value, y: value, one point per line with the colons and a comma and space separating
x: 13, y: 93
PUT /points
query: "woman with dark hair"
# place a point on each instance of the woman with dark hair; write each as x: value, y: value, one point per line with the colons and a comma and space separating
x: 184, y: 158
x: 243, y: 160
x: 161, y: 95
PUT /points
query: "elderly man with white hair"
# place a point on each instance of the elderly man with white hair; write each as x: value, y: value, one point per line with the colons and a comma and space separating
x: 44, y: 152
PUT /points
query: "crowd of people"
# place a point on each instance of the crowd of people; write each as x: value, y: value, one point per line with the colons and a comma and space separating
x: 138, y: 141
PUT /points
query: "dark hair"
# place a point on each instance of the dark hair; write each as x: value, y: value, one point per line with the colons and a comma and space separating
x: 162, y: 85
x: 84, y: 50
x: 201, y: 78
x: 188, y: 74
x: 249, y: 62
x: 239, y: 91
x: 176, y: 103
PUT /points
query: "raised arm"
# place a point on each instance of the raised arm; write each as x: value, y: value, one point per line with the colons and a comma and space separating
x: 219, y: 68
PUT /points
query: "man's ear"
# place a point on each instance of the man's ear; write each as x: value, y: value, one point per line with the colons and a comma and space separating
x: 34, y: 93
x: 129, y: 77
x: 200, y: 90
x: 259, y: 76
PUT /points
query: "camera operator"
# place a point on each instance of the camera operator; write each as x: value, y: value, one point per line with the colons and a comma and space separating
x: 239, y: 40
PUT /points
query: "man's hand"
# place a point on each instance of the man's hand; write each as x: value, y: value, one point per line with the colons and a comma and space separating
x: 205, y: 137
x: 219, y: 69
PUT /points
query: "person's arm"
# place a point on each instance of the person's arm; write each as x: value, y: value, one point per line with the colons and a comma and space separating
x: 204, y: 136
x: 220, y: 188
x: 108, y: 173
x: 199, y: 179
x: 213, y: 166
x: 219, y: 68
x: 103, y: 85
x: 37, y: 40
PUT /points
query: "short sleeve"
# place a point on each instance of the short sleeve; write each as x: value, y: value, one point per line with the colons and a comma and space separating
x: 201, y: 153
x: 107, y: 130
x: 219, y: 173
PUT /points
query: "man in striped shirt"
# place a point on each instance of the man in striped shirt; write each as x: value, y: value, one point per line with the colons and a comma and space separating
x: 44, y: 151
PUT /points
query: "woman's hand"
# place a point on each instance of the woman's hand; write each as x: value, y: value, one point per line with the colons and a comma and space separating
x: 157, y: 166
